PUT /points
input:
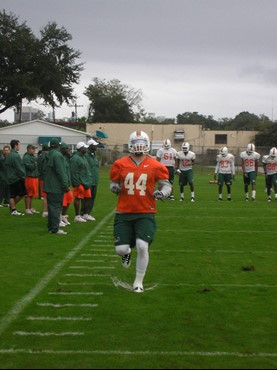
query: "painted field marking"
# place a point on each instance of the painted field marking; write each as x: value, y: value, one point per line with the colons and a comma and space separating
x: 13, y: 351
x: 217, y: 217
x: 97, y: 261
x: 58, y: 318
x: 48, y: 334
x: 28, y: 298
x: 58, y: 305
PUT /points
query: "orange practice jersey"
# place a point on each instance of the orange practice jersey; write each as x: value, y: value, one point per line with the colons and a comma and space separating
x: 137, y: 184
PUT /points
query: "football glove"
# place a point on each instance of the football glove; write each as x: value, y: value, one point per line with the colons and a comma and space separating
x: 178, y: 172
x: 158, y: 194
x: 115, y: 188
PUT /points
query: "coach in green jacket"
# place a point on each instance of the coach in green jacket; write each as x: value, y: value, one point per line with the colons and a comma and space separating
x: 55, y: 185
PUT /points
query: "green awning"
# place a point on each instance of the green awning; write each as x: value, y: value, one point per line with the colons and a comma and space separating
x: 101, y: 134
x: 46, y: 139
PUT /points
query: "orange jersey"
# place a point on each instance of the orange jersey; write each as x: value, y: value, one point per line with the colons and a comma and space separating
x: 137, y: 184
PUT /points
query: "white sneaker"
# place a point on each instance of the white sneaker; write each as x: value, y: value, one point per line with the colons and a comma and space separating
x: 62, y: 224
x: 44, y: 214
x: 34, y: 211
x: 28, y: 212
x: 65, y: 220
x: 59, y: 232
x: 16, y: 213
x: 88, y: 217
x: 138, y: 289
x: 79, y: 219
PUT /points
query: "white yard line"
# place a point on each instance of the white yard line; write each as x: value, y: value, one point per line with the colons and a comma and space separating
x: 58, y: 318
x: 180, y: 231
x: 91, y: 268
x: 97, y: 255
x: 88, y: 275
x: 13, y: 351
x: 48, y: 334
x: 28, y: 298
x: 75, y: 293
x: 58, y: 305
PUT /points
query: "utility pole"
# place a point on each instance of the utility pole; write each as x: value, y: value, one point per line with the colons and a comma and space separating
x: 76, y: 106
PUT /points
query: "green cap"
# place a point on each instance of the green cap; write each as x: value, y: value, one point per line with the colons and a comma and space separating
x: 31, y: 146
x: 54, y: 142
x: 45, y: 146
x: 63, y: 146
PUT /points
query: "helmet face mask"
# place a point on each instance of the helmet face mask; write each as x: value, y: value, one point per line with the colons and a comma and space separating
x: 250, y: 148
x: 223, y: 151
x: 139, y: 143
x: 167, y: 144
x: 185, y: 147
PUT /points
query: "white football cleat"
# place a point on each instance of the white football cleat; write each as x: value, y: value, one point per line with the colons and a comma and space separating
x: 79, y: 219
x: 138, y: 289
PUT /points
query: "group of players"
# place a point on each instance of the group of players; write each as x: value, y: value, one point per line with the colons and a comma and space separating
x: 181, y: 163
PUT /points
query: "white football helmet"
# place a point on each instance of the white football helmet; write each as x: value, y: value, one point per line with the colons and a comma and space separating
x: 167, y: 144
x: 185, y: 147
x: 223, y: 151
x: 250, y: 148
x: 138, y: 143
x: 273, y: 152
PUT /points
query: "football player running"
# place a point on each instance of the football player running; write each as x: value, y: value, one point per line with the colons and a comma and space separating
x: 225, y: 167
x: 249, y: 164
x: 167, y: 155
x: 133, y: 178
x: 184, y: 162
x: 270, y: 171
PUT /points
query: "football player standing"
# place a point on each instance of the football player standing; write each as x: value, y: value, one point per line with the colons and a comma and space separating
x: 249, y: 164
x: 270, y: 171
x: 133, y: 178
x: 167, y: 155
x: 184, y: 162
x: 225, y: 167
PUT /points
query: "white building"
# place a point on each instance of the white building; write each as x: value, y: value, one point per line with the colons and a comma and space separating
x: 37, y: 132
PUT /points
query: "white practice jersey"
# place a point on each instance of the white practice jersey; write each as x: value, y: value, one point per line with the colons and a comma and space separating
x: 167, y: 156
x: 249, y: 160
x: 225, y: 164
x: 186, y: 160
x: 270, y: 164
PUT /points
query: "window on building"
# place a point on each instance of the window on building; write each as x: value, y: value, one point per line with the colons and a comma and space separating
x: 221, y: 139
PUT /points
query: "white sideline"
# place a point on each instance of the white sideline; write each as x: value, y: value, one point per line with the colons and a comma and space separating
x: 28, y: 298
x: 13, y: 351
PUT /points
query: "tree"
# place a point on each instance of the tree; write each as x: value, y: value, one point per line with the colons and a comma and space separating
x: 32, y: 67
x: 267, y: 137
x: 112, y: 101
x: 245, y: 121
x: 194, y: 118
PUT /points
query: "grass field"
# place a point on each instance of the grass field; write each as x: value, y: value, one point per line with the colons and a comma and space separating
x: 210, y: 298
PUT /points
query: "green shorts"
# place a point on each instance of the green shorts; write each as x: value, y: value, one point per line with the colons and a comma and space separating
x: 224, y: 178
x: 271, y: 181
x: 249, y: 178
x: 171, y: 174
x: 130, y: 226
x: 186, y: 177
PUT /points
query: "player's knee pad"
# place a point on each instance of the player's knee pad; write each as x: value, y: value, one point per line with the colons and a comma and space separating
x: 142, y: 246
x: 123, y: 249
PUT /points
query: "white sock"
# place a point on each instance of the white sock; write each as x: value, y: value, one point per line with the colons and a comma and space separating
x: 182, y: 195
x: 192, y: 194
x: 246, y: 195
x: 142, y: 261
x: 220, y: 196
x: 253, y: 193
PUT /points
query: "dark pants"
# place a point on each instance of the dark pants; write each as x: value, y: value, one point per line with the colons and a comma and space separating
x: 55, y: 203
x: 4, y: 193
x: 93, y: 190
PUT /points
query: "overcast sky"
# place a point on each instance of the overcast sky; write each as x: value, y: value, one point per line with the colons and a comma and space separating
x: 215, y: 57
